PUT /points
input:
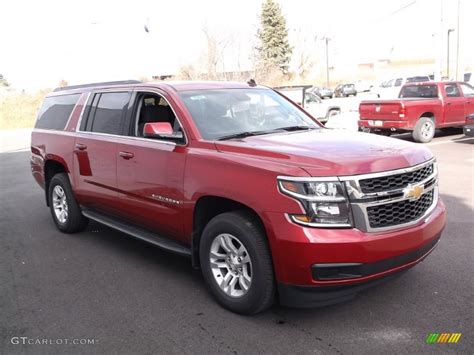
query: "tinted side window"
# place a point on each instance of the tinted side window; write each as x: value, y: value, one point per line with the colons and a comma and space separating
x: 55, y: 111
x: 398, y: 82
x: 110, y: 110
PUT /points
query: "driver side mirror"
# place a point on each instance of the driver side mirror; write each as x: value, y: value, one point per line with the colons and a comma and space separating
x: 160, y: 130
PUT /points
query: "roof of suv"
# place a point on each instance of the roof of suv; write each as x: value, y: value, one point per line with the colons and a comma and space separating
x: 175, y: 85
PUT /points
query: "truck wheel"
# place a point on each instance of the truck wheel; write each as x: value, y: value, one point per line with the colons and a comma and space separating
x: 332, y: 112
x: 424, y: 130
x: 236, y: 262
x: 63, y: 205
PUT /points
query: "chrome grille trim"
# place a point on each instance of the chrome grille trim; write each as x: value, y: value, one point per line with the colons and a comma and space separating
x: 360, y: 201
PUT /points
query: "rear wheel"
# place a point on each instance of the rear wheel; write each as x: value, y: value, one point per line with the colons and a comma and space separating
x: 64, y: 208
x: 236, y: 262
x: 424, y: 130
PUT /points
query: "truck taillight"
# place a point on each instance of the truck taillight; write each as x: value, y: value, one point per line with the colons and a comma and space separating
x: 401, y: 110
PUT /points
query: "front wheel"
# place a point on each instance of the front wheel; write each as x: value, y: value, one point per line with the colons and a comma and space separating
x: 236, y: 262
x: 424, y: 130
x: 64, y: 207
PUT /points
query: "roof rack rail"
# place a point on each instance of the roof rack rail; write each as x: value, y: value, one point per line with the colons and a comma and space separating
x: 105, y: 83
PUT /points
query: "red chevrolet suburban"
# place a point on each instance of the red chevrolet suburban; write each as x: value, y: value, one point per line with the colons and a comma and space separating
x: 267, y: 202
x: 420, y: 109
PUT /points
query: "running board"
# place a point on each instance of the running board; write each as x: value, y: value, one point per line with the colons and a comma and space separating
x: 137, y: 232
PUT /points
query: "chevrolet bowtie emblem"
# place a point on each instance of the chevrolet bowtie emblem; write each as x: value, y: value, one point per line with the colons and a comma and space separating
x: 414, y: 192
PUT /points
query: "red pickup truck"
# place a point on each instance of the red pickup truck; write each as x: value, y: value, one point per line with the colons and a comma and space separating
x: 421, y: 108
x: 264, y: 200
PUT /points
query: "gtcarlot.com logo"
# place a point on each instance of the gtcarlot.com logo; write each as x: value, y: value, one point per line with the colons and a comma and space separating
x: 443, y: 338
x: 52, y: 341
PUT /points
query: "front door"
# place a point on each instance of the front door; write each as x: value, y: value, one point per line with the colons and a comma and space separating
x: 468, y: 93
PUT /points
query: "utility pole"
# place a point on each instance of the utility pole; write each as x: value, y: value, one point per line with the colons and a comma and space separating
x: 457, y: 43
x: 327, y: 60
x: 447, y: 59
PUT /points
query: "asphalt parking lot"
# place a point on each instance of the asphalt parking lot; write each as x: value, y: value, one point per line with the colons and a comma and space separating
x: 130, y: 297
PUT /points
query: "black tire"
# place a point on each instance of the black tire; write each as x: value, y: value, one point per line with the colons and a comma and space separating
x: 332, y: 112
x: 245, y: 227
x: 75, y: 221
x: 424, y: 130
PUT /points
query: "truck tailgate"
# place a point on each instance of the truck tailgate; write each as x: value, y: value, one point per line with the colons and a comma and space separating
x: 380, y: 110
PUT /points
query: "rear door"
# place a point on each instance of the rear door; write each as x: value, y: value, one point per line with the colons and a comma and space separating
x: 454, y: 104
x: 95, y: 149
x: 150, y: 171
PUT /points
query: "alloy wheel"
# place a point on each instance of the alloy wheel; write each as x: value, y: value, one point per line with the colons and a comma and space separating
x: 60, y: 204
x: 230, y: 265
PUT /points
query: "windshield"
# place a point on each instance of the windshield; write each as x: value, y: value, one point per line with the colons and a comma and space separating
x: 223, y: 113
x: 419, y: 91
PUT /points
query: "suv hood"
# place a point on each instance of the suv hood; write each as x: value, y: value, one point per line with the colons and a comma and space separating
x: 325, y: 152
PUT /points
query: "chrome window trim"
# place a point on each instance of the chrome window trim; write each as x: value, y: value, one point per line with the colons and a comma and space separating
x: 74, y: 129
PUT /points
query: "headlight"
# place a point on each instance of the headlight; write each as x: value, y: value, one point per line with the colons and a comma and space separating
x: 324, y: 201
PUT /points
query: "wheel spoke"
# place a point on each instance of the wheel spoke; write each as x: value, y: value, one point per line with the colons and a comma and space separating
x: 225, y: 281
x: 217, y: 255
x: 230, y: 245
x: 217, y: 265
x: 243, y: 283
x: 223, y: 244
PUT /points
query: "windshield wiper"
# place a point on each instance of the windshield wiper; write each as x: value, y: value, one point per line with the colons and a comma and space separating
x: 247, y: 134
x: 296, y: 128
x: 257, y: 133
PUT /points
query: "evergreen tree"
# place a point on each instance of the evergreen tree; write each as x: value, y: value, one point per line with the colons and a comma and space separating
x: 274, y: 49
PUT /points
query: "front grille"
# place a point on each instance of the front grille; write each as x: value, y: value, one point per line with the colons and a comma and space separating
x: 393, y: 182
x: 392, y: 214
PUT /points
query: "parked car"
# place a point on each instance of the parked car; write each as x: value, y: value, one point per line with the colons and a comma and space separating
x: 268, y: 203
x: 345, y: 90
x: 363, y: 86
x: 469, y: 78
x: 391, y: 88
x: 322, y: 92
x: 311, y: 102
x: 469, y: 127
x: 420, y: 109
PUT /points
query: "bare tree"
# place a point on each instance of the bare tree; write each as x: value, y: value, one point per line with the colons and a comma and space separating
x: 214, y: 55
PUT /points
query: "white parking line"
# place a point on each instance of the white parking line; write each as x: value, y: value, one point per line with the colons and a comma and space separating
x: 450, y: 141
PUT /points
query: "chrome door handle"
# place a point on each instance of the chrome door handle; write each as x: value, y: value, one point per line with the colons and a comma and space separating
x: 126, y: 155
x: 80, y: 146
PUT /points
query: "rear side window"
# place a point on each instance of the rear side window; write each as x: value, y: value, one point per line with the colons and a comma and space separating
x: 55, y: 111
x: 419, y: 91
x: 109, y: 111
x: 398, y: 82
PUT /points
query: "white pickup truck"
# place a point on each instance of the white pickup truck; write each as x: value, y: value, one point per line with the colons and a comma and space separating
x: 312, y: 103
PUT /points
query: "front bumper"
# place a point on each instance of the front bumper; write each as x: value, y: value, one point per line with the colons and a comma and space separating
x: 296, y: 250
x: 311, y: 296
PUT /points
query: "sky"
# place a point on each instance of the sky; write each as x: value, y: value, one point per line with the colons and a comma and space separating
x: 45, y: 41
